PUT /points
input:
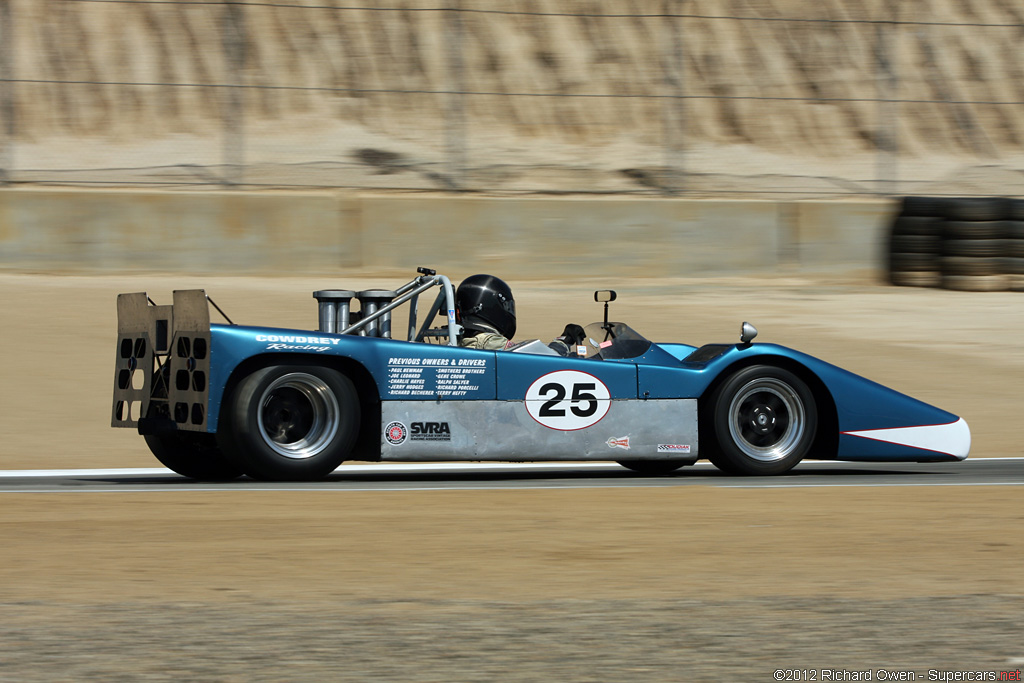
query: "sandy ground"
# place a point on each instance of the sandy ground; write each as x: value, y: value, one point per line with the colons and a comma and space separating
x: 648, y: 585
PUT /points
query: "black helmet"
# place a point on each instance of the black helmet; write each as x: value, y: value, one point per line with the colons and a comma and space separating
x: 485, y: 304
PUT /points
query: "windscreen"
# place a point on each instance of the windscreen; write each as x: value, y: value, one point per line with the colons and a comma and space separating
x: 614, y: 341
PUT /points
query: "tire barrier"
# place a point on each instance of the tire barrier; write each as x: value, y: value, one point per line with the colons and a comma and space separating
x: 971, y: 244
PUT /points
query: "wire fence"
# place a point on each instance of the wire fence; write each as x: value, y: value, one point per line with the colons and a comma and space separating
x: 523, y: 96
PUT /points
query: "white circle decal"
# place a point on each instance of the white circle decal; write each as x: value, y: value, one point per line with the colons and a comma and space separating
x: 568, y: 400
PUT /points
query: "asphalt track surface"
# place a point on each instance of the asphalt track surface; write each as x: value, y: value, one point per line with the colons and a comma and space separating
x: 521, y: 476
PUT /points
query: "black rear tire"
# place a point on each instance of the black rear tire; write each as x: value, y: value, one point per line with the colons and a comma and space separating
x: 291, y: 422
x: 193, y: 455
x: 763, y: 420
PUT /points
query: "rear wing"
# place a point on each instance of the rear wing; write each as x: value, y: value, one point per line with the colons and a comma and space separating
x: 162, y: 365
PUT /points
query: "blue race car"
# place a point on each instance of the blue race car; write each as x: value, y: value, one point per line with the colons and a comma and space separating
x: 216, y: 401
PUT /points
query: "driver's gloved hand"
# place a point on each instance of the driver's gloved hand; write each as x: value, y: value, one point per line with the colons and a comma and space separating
x: 573, y: 335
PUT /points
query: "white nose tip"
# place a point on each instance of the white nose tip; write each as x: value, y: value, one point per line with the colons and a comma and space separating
x: 952, y: 439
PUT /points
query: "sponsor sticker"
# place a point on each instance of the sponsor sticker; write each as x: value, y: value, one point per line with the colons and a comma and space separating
x: 395, y: 433
x: 290, y: 339
x: 292, y: 343
x: 673, y: 448
x: 430, y: 431
x: 618, y: 442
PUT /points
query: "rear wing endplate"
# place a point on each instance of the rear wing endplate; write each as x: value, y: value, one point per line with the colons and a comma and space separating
x: 162, y: 364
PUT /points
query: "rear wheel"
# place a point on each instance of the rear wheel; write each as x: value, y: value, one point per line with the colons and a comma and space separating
x: 291, y: 423
x: 193, y: 455
x: 763, y: 419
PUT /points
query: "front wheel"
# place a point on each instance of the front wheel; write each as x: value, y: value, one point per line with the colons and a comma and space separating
x: 291, y: 423
x: 763, y: 419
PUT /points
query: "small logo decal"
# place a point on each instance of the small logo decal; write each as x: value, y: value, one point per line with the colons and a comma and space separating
x: 673, y: 448
x: 430, y: 431
x: 618, y: 442
x: 395, y: 433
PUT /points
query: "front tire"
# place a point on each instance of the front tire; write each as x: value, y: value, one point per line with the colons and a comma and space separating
x: 763, y: 419
x: 193, y: 455
x: 291, y: 422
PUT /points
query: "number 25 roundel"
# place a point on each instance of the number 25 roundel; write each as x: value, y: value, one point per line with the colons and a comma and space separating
x: 568, y: 400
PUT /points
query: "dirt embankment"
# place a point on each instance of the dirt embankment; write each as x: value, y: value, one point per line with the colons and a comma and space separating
x: 783, y: 96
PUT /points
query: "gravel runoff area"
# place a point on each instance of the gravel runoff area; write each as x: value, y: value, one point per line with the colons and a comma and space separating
x: 672, y: 584
x: 551, y: 640
x: 678, y: 584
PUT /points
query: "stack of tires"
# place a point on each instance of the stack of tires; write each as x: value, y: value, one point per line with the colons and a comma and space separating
x: 1013, y: 262
x: 915, y: 243
x: 973, y: 244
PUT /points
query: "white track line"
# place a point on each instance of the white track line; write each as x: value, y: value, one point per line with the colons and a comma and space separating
x: 128, y: 471
x: 381, y: 468
x: 465, y: 489
x: 370, y: 467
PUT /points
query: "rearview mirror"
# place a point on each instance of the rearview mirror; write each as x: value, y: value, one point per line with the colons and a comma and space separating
x: 604, y: 295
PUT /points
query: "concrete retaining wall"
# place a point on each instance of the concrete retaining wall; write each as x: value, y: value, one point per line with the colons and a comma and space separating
x: 324, y: 232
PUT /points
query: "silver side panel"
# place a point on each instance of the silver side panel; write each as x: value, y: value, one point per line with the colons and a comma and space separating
x: 504, y: 430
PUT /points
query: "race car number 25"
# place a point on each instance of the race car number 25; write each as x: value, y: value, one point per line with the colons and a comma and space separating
x: 568, y: 400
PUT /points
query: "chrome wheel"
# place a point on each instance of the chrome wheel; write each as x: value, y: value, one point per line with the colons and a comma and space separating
x: 298, y: 415
x: 767, y: 419
x: 763, y: 420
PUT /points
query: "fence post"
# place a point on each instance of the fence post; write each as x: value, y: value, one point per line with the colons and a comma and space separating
x: 233, y: 95
x: 455, y: 119
x: 887, y: 134
x: 7, y: 97
x: 674, y: 109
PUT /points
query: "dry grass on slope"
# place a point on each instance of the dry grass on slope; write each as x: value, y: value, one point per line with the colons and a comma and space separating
x: 375, y: 78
